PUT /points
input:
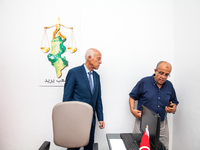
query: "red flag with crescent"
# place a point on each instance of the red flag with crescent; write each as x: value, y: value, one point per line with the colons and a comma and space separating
x: 145, y: 144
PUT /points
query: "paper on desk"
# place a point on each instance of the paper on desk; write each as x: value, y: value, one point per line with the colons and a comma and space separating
x: 117, y: 144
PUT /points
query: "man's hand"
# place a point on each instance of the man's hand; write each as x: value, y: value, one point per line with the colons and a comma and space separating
x: 170, y: 109
x: 102, y: 125
x: 136, y: 113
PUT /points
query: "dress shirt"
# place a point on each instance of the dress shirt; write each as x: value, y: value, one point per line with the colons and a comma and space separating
x: 87, y: 71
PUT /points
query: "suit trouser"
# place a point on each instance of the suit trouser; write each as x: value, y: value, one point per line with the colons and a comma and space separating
x: 91, y: 141
x: 164, y: 131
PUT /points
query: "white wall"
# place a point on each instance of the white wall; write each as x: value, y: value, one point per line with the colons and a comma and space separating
x: 132, y: 36
x: 186, y: 133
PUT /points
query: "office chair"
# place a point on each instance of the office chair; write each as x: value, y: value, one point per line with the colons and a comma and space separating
x: 72, y: 122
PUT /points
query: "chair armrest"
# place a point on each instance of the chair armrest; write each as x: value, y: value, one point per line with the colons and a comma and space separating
x: 95, y: 146
x: 45, y: 146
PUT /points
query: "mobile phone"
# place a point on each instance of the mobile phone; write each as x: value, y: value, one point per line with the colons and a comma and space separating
x: 171, y: 105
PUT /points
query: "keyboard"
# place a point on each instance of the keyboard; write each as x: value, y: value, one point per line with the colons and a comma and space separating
x: 129, y: 141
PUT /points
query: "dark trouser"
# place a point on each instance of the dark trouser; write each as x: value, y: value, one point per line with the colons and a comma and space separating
x: 91, y: 141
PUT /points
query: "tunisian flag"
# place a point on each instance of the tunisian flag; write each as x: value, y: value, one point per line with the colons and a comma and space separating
x: 145, y: 144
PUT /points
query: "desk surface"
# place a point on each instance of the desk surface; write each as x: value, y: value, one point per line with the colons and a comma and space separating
x: 117, y: 136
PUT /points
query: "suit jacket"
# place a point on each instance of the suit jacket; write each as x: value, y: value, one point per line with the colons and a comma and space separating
x: 77, y: 88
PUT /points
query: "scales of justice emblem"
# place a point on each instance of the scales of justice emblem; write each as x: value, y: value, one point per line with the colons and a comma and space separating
x: 58, y: 47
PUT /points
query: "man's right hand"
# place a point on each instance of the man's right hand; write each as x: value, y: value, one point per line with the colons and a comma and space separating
x: 136, y: 113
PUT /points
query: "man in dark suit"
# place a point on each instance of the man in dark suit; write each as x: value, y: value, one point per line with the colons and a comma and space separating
x: 83, y: 84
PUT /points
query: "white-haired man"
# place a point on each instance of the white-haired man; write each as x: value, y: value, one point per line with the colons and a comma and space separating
x: 83, y: 84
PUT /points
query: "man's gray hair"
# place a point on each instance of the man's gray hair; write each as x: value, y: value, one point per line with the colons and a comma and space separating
x: 90, y: 52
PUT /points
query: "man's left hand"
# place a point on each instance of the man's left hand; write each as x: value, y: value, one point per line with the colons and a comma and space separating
x: 102, y: 125
x: 169, y: 109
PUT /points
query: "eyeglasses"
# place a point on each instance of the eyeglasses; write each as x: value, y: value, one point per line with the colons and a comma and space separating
x: 163, y: 74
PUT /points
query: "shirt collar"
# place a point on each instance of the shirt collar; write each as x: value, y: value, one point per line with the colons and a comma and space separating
x: 86, y: 69
x: 154, y: 82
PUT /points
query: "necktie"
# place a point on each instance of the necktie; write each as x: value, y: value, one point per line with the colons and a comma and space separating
x: 90, y: 81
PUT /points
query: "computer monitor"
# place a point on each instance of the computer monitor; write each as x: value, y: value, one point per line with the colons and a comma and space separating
x: 150, y: 118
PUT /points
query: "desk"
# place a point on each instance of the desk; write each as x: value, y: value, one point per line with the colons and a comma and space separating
x: 110, y: 136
